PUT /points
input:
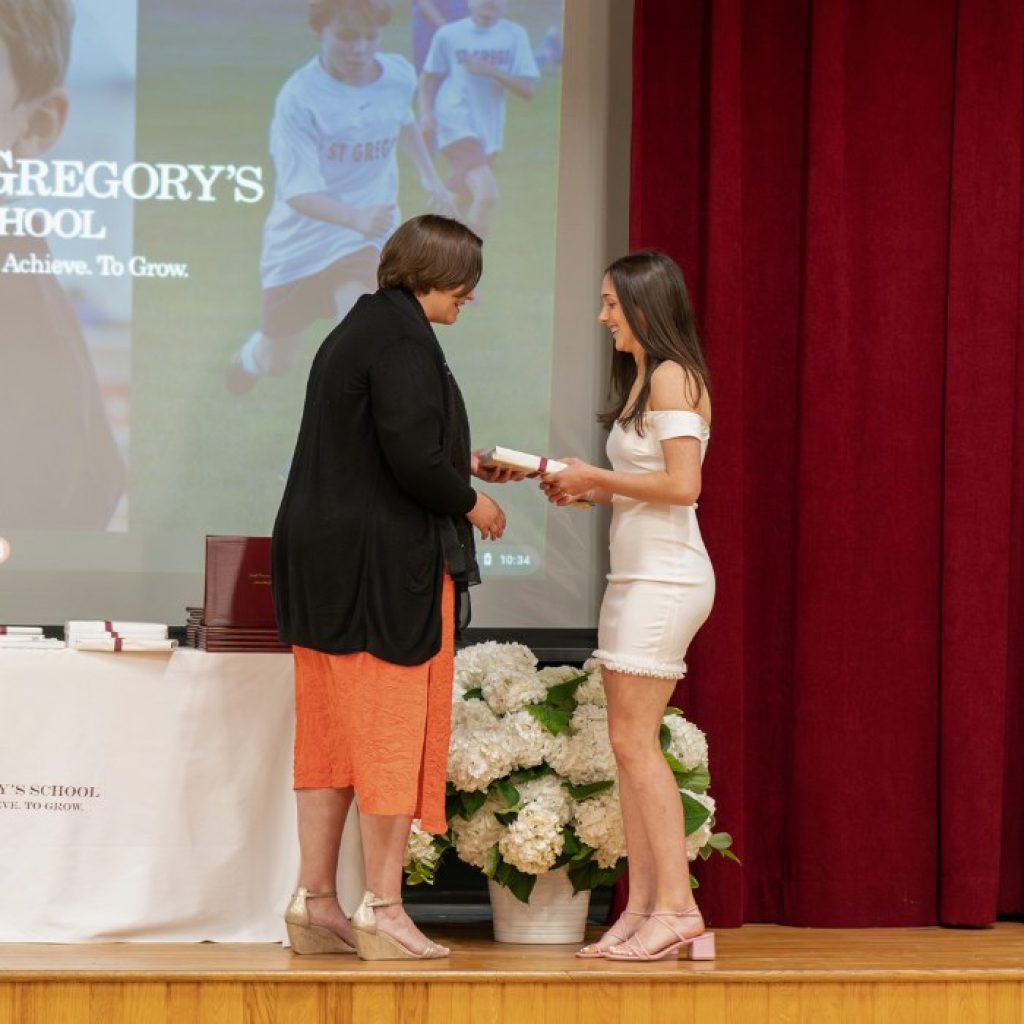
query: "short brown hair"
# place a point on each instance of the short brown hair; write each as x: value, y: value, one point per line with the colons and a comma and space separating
x: 429, y: 252
x: 372, y: 12
x: 37, y: 34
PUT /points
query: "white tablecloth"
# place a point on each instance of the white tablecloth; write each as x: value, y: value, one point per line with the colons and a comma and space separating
x: 147, y: 797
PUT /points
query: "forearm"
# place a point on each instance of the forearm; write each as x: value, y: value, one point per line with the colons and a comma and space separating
x: 321, y: 206
x: 430, y: 11
x: 432, y: 481
x: 410, y: 138
x: 524, y: 88
x: 427, y: 92
x: 660, y: 488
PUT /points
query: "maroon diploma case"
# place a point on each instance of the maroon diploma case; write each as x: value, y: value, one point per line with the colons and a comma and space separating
x: 237, y: 592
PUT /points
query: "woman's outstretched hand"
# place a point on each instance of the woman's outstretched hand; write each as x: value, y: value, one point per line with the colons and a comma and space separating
x: 487, y: 517
x: 564, y: 486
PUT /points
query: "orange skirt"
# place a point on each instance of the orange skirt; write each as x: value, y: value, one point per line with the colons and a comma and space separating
x: 380, y: 728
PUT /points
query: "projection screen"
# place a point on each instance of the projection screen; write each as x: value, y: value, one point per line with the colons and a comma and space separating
x: 146, y: 237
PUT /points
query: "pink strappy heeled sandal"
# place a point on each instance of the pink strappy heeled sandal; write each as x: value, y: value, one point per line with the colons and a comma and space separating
x: 593, y: 951
x: 698, y: 947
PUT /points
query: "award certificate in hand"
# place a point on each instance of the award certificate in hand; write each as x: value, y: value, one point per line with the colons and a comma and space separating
x: 524, y: 462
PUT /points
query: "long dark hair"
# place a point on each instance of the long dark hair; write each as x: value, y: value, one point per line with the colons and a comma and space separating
x: 656, y: 304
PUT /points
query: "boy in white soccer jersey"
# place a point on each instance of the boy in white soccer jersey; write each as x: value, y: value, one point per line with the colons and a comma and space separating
x: 337, y: 122
x: 471, y: 65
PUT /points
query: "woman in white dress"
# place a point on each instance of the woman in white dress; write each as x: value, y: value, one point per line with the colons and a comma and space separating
x: 660, y: 588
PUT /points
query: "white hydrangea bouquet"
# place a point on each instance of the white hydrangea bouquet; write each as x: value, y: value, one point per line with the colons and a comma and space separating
x: 532, y: 783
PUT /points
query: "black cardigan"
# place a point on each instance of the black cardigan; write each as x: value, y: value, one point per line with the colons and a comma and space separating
x: 357, y: 554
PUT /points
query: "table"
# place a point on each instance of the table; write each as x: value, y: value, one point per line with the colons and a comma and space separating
x: 147, y: 797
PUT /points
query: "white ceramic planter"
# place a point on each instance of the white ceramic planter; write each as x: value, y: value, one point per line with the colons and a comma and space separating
x: 553, y: 915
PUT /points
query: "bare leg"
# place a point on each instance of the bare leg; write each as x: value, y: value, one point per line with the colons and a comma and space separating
x: 321, y: 816
x: 641, y: 856
x: 483, y: 204
x: 261, y: 355
x: 641, y: 862
x: 264, y: 355
x: 635, y: 707
x: 275, y: 356
x: 384, y: 840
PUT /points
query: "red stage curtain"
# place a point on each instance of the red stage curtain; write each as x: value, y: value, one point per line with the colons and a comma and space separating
x: 841, y: 182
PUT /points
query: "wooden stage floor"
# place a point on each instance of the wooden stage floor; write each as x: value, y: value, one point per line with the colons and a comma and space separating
x: 763, y: 973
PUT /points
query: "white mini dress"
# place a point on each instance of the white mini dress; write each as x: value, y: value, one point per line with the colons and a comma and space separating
x: 661, y: 585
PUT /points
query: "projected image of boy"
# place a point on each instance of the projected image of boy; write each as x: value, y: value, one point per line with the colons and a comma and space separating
x: 472, y: 65
x: 336, y: 126
x: 60, y: 467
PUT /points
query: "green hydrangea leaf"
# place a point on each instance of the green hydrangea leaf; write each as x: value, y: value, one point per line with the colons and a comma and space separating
x: 423, y: 871
x: 508, y: 793
x: 609, y: 876
x: 471, y: 803
x: 452, y: 806
x: 580, y: 875
x: 590, y: 874
x: 695, y: 812
x: 517, y: 882
x: 571, y: 843
x: 492, y: 861
x: 555, y: 720
x: 720, y: 841
x: 697, y: 779
x: 581, y: 792
x: 529, y: 774
x: 520, y: 884
x: 571, y: 847
x: 564, y: 694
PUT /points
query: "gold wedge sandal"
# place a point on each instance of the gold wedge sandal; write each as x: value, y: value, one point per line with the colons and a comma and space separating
x: 374, y: 944
x: 311, y: 938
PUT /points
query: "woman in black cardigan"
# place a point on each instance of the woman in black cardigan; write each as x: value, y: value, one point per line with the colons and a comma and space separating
x: 372, y: 555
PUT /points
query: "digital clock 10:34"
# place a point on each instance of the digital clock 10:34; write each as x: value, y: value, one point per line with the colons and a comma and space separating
x: 518, y: 560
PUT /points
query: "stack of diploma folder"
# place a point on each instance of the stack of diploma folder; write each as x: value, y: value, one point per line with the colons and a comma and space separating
x: 117, y: 636
x: 238, y: 610
x: 26, y: 638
